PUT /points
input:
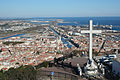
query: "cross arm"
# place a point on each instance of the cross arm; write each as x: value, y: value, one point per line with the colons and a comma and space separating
x: 85, y: 31
x: 97, y: 31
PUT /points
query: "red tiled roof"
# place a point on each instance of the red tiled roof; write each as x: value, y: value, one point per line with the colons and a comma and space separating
x: 12, y: 60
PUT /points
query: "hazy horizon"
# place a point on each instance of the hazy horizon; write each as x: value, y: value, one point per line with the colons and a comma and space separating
x: 50, y: 16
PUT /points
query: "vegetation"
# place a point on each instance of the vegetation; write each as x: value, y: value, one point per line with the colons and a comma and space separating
x: 21, y: 73
x: 44, y: 64
x: 59, y: 52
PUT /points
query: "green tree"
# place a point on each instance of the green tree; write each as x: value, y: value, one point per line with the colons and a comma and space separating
x: 21, y: 73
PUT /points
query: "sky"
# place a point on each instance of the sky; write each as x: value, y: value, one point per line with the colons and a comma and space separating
x: 59, y: 8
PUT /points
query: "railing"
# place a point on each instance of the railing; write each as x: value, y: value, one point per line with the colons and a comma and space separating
x: 57, y: 75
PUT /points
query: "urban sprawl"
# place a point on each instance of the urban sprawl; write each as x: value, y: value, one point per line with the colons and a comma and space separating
x: 26, y: 43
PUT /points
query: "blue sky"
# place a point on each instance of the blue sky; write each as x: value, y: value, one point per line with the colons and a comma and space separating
x: 59, y: 8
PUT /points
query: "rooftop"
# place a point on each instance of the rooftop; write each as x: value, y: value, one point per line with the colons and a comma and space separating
x: 79, y: 60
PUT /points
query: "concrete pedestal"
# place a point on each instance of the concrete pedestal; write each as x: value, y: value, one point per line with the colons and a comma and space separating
x: 90, y: 68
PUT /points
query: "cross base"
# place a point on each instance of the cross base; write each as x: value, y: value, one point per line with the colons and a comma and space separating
x: 90, y: 68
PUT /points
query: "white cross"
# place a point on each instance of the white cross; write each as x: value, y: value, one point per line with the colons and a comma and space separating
x: 91, y: 31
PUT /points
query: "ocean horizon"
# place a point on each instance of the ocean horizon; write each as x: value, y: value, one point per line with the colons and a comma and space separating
x: 77, y: 21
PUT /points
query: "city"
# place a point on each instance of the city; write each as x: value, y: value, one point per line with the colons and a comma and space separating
x: 59, y: 40
x: 33, y: 44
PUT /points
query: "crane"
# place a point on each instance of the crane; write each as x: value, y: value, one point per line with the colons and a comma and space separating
x: 102, y: 46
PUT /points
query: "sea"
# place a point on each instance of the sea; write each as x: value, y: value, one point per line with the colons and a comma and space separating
x: 77, y: 21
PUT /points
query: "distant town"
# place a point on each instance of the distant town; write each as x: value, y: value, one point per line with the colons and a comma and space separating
x: 65, y: 47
